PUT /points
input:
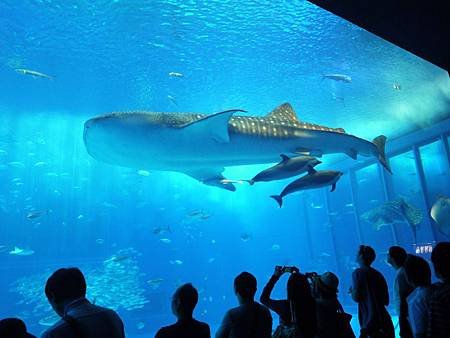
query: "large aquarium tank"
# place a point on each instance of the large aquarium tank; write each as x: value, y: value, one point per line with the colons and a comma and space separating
x: 138, y: 227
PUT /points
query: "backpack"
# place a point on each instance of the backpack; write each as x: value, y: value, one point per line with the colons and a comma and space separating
x: 288, y: 331
x: 344, y: 328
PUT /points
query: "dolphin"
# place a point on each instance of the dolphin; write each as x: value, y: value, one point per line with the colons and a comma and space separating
x: 33, y: 73
x: 337, y: 77
x: 314, y: 179
x: 288, y: 167
x: 202, y: 145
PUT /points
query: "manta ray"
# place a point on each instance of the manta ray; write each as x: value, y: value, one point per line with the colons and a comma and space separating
x: 201, y: 145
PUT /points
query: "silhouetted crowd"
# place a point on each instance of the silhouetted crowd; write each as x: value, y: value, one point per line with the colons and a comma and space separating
x: 310, y: 310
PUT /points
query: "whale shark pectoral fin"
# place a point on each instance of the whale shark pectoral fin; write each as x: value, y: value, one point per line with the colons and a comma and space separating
x: 333, y: 187
x: 212, y: 177
x: 311, y: 170
x: 284, y: 158
x: 213, y: 126
x: 352, y: 153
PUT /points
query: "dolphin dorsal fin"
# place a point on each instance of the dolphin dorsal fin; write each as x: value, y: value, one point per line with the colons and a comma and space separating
x: 213, y: 126
x: 284, y: 158
x: 285, y: 112
x: 311, y: 170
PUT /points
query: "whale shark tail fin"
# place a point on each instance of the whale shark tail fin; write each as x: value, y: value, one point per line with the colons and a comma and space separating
x: 278, y: 198
x: 380, y: 143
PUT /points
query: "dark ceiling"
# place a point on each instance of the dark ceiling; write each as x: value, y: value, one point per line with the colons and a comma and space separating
x: 421, y: 27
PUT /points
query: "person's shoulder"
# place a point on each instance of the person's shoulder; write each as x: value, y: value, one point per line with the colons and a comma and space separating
x: 164, y: 332
x: 56, y: 330
x: 202, y: 324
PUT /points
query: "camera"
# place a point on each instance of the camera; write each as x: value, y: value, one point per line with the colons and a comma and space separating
x: 311, y: 275
x: 284, y: 269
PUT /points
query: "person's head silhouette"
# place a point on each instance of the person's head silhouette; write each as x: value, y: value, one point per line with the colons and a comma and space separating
x: 13, y: 328
x: 440, y: 257
x: 396, y: 256
x: 184, y: 301
x: 366, y: 255
x: 417, y: 270
x: 63, y: 287
x: 245, y: 287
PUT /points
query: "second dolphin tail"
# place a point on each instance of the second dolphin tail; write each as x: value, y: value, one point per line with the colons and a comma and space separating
x: 278, y: 198
x: 380, y: 143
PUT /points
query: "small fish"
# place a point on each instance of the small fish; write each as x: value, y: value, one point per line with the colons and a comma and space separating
x: 117, y: 258
x: 80, y: 217
x: 161, y: 230
x: 3, y: 152
x: 100, y: 241
x: 109, y: 205
x: 143, y: 173
x: 246, y: 237
x: 337, y: 77
x: 51, y: 174
x: 165, y: 240
x: 176, y: 74
x: 3, y: 248
x: 21, y: 252
x: 316, y: 206
x: 33, y: 73
x: 276, y: 247
x: 36, y: 214
x: 16, y: 164
x: 176, y: 262
x: 155, y: 283
x: 172, y: 99
x: 211, y: 260
x: 213, y: 241
x: 397, y: 86
x: 40, y: 164
x: 140, y: 325
x: 349, y: 205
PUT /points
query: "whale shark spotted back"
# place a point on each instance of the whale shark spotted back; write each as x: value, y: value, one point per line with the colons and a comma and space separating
x: 282, y: 117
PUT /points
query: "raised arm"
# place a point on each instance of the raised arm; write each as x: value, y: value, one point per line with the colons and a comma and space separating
x: 273, y: 304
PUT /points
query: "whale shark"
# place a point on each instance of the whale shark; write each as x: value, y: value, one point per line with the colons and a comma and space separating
x: 201, y: 145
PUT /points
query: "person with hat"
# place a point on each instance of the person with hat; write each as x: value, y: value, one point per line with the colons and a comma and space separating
x: 14, y: 328
x: 325, y: 289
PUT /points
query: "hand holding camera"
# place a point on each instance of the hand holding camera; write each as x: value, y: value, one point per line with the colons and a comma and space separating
x: 279, y: 270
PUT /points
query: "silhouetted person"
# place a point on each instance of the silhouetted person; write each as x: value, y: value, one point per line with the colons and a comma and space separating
x: 299, y: 299
x: 418, y: 275
x: 396, y: 258
x: 439, y: 305
x: 370, y: 291
x: 184, y: 301
x: 14, y: 328
x: 324, y: 291
x: 66, y: 293
x: 250, y: 319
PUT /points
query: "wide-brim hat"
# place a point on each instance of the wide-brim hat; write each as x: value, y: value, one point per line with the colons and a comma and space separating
x: 14, y: 327
x: 328, y: 281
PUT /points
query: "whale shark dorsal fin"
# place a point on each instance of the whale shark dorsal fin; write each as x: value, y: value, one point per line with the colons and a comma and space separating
x: 284, y: 112
x: 311, y: 170
x: 213, y: 126
x: 284, y: 158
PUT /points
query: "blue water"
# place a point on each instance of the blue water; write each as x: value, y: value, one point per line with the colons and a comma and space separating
x: 116, y: 56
